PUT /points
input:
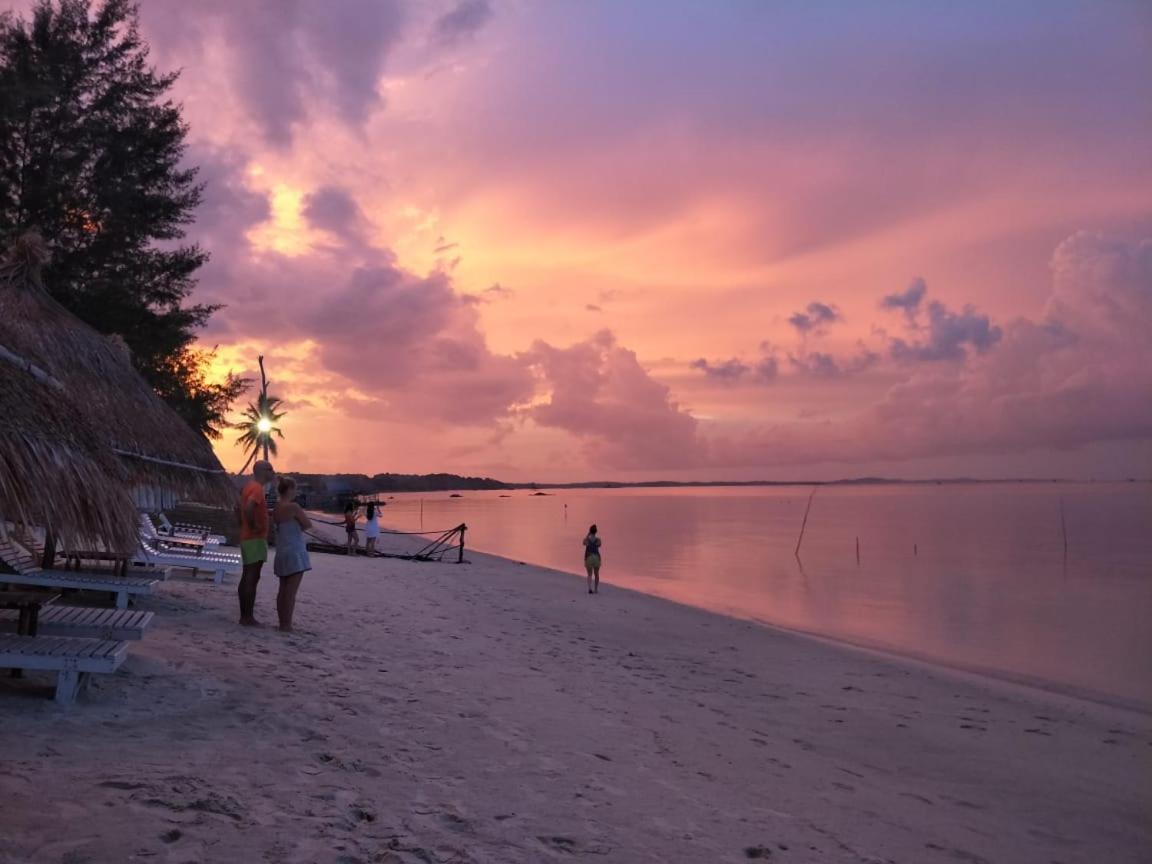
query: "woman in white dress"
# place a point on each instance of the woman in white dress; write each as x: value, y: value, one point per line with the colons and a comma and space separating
x: 371, y: 527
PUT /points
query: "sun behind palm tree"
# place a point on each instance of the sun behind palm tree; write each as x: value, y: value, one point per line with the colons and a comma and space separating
x: 259, y: 425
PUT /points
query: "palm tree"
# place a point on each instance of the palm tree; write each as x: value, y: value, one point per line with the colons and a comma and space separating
x: 258, y: 425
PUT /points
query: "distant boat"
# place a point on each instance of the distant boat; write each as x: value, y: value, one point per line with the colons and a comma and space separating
x: 540, y: 494
x: 505, y: 496
x: 455, y: 495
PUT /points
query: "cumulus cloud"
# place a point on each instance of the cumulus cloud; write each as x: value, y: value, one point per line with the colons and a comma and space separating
x: 817, y: 316
x: 907, y: 300
x: 391, y: 333
x: 599, y: 392
x: 1102, y: 285
x: 1080, y: 374
x: 762, y: 371
x: 949, y: 335
x: 821, y: 364
x: 466, y: 19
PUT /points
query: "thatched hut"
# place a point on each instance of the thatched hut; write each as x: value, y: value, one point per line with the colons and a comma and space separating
x: 82, y: 430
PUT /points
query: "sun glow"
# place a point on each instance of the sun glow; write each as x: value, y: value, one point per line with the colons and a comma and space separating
x: 285, y: 231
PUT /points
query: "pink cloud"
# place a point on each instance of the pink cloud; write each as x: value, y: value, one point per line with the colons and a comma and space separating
x: 626, y: 420
x: 1080, y: 374
x: 703, y: 186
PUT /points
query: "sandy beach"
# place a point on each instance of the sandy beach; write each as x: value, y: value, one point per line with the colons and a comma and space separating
x: 495, y: 712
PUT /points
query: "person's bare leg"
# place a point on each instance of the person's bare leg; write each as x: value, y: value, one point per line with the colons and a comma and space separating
x: 286, y: 600
x: 589, y: 569
x: 247, y: 593
x: 596, y: 585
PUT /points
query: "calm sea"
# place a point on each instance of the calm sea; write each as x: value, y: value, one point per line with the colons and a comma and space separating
x: 971, y: 575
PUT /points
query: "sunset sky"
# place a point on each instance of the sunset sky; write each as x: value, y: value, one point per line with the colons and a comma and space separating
x: 613, y: 239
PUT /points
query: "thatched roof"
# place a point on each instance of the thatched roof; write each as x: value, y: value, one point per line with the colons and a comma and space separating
x: 55, y: 470
x: 154, y: 445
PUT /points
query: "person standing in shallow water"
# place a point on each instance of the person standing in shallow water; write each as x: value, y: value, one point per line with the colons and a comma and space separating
x: 252, y: 512
x: 292, y: 560
x: 592, y: 559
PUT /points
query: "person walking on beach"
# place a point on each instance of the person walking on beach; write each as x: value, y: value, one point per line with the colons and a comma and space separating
x: 371, y: 526
x: 291, y: 550
x: 253, y: 515
x: 350, y: 526
x: 592, y: 560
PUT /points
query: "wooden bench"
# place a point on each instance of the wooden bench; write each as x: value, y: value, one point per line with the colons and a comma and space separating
x: 84, y: 621
x: 121, y: 586
x: 73, y: 660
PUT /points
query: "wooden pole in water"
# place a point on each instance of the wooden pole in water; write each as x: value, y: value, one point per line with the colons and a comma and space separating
x: 857, y: 551
x: 804, y: 524
x: 915, y: 550
x: 421, y: 514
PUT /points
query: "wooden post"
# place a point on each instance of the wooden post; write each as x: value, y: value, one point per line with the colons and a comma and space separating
x: 915, y: 550
x: 48, y: 561
x: 804, y: 524
x: 421, y: 514
x: 857, y: 551
x: 463, y: 528
x: 264, y: 404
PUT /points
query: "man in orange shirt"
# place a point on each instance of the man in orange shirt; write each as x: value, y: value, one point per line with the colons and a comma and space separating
x: 253, y: 513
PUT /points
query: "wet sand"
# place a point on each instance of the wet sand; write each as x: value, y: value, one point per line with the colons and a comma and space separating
x: 495, y: 712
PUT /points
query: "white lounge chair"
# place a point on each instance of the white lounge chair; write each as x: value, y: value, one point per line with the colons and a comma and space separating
x: 184, y: 529
x: 87, y: 622
x: 207, y: 558
x: 73, y: 660
x: 122, y: 587
x: 29, y: 574
x: 181, y: 540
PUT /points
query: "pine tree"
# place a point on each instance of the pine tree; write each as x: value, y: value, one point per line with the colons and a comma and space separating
x: 91, y: 149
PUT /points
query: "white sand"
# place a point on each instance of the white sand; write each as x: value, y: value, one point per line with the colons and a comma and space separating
x: 497, y: 713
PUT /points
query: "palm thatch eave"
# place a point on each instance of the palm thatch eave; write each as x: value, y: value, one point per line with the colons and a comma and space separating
x: 156, y: 447
x: 55, y: 470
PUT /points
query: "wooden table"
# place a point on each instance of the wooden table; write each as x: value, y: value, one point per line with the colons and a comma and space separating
x: 29, y: 603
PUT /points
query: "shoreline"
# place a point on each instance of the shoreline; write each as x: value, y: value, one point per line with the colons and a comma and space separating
x: 889, y: 652
x: 495, y: 712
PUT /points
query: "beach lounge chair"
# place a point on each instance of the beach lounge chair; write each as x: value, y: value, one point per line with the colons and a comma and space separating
x: 122, y: 587
x: 181, y: 542
x: 26, y: 573
x: 207, y: 558
x: 73, y: 660
x: 186, y: 529
x: 117, y: 625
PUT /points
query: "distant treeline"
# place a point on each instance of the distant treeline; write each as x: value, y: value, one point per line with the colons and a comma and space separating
x: 326, y: 489
x: 322, y: 490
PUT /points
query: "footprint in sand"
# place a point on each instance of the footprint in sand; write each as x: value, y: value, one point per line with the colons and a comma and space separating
x: 559, y: 843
